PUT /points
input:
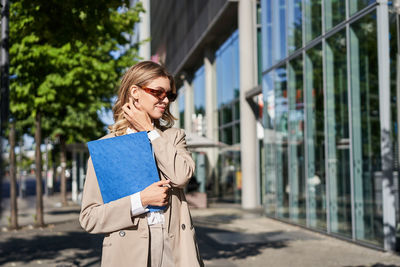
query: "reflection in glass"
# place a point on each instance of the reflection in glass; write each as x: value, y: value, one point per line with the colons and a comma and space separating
x: 335, y: 12
x: 296, y: 142
x: 367, y: 169
x: 312, y: 19
x: 278, y: 30
x: 266, y: 25
x: 227, y: 65
x: 281, y: 128
x: 269, y: 144
x: 315, y: 139
x: 295, y: 38
x: 181, y: 104
x: 199, y: 91
x: 394, y: 84
x: 394, y: 29
x: 338, y: 134
x: 356, y: 5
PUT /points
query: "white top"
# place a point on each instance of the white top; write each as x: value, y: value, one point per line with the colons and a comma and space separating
x: 136, y: 202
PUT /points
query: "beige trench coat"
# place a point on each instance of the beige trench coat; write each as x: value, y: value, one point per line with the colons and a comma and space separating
x: 126, y: 241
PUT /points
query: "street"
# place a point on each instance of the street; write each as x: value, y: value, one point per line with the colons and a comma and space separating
x: 227, y: 236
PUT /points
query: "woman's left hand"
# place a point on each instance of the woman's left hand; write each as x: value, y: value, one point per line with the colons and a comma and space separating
x: 139, y: 119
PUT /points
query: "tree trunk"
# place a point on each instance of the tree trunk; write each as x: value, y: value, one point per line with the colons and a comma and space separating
x: 38, y: 171
x: 13, y: 179
x: 63, y: 161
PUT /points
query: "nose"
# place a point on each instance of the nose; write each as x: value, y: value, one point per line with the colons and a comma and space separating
x: 165, y: 100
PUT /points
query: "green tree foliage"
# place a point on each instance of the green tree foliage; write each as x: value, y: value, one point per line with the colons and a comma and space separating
x: 63, y: 69
x: 61, y: 62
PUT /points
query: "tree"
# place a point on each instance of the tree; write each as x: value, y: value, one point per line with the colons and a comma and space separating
x: 63, y: 68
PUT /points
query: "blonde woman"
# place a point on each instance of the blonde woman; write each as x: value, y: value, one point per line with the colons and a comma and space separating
x: 134, y: 236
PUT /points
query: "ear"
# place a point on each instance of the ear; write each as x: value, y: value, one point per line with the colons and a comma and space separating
x: 134, y: 92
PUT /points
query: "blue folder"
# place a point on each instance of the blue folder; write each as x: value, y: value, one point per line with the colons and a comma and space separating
x: 124, y: 165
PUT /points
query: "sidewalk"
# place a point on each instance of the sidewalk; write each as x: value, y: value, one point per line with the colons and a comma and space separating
x: 227, y: 236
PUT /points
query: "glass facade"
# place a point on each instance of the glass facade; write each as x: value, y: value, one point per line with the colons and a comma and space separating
x: 228, y: 109
x: 227, y: 64
x: 181, y: 106
x: 199, y: 99
x: 322, y: 140
x: 394, y: 50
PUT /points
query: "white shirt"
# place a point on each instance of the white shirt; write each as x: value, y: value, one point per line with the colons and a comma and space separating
x: 136, y: 202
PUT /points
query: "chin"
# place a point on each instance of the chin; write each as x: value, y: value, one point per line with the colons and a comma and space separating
x: 156, y: 116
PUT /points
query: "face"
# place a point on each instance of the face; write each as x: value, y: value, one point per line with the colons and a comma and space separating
x: 149, y: 103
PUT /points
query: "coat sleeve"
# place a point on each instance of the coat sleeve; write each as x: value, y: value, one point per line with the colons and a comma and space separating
x: 172, y: 157
x: 97, y: 217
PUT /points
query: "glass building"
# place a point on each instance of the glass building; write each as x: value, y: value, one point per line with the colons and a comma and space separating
x: 330, y: 83
x: 303, y: 95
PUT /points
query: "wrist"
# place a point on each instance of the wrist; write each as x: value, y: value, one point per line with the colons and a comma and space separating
x: 143, y: 199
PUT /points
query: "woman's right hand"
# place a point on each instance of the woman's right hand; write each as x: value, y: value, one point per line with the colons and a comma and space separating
x: 155, y: 194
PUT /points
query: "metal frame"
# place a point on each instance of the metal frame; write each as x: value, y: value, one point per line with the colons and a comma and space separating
x: 327, y: 191
x: 349, y: 97
x: 305, y: 134
x: 389, y: 210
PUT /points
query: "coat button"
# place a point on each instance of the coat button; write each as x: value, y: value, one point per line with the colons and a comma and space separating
x: 183, y: 226
x: 121, y: 233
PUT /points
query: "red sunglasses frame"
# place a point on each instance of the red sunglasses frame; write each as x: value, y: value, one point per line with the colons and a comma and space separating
x: 160, y: 94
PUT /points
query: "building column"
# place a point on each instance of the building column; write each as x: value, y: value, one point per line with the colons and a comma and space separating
x: 388, y: 187
x: 81, y: 170
x: 189, y: 105
x: 248, y: 133
x: 145, y: 31
x: 210, y: 73
x: 174, y: 109
x: 74, y: 175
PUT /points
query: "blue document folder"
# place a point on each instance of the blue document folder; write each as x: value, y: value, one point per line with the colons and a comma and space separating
x: 124, y: 165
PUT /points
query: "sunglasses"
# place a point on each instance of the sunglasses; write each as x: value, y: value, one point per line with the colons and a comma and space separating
x: 160, y: 94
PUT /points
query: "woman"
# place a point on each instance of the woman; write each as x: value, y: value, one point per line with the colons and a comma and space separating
x: 134, y: 236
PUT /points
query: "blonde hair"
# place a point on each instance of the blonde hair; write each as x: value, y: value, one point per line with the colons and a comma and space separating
x: 140, y: 74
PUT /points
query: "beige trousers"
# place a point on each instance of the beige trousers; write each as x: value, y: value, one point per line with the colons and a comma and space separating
x: 160, y: 248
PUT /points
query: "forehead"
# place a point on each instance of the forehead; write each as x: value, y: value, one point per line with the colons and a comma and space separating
x: 162, y: 82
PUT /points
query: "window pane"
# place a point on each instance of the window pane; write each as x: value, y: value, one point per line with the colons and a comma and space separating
x: 236, y: 138
x: 227, y: 65
x: 296, y: 142
x: 237, y: 110
x: 394, y: 79
x: 338, y: 134
x: 198, y: 121
x: 335, y: 12
x: 315, y: 139
x: 312, y: 19
x: 366, y: 134
x: 394, y: 28
x: 269, y: 144
x: 226, y: 114
x: 181, y: 104
x: 199, y: 91
x: 266, y: 24
x: 295, y: 38
x: 278, y: 30
x: 356, y: 5
x: 281, y: 124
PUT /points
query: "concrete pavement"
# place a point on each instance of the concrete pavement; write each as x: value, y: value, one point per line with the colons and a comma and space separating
x: 227, y: 236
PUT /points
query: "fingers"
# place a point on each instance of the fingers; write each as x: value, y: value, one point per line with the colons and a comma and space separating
x: 162, y: 182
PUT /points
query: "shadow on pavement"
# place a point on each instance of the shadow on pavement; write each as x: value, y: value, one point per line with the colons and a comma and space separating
x: 376, y: 265
x: 211, y: 247
x: 53, y: 246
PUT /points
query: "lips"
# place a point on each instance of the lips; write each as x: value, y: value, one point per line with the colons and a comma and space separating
x: 161, y: 107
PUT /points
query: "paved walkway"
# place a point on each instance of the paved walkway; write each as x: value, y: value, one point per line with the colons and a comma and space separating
x: 227, y: 236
